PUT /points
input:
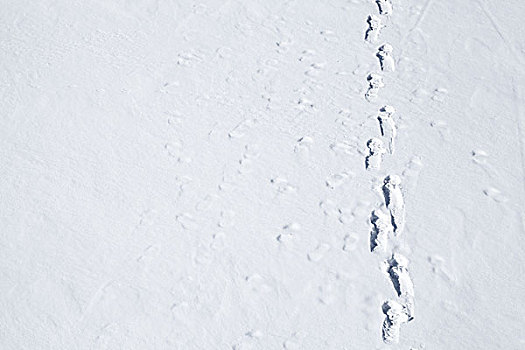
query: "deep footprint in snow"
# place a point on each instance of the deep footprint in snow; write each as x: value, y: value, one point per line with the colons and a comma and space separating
x: 375, y: 83
x: 387, y: 125
x: 381, y: 229
x: 394, y: 202
x: 386, y: 61
x: 374, y: 27
x: 375, y: 154
x: 395, y: 316
x: 398, y: 272
x: 384, y: 7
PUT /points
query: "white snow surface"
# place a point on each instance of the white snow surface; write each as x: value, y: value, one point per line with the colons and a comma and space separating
x: 191, y: 174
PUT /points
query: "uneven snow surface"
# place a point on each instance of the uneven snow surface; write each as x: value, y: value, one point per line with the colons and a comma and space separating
x: 222, y: 174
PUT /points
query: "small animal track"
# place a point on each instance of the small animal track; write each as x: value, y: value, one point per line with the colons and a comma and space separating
x: 375, y: 83
x: 283, y: 186
x: 288, y: 232
x: 187, y: 221
x: 479, y: 157
x: 337, y: 180
x: 495, y: 194
x: 386, y: 61
x: 394, y: 202
x: 375, y: 154
x: 226, y: 219
x: 319, y: 252
x: 350, y: 242
x: 206, y: 203
x: 304, y: 145
x: 387, y: 125
x: 175, y: 150
x: 242, y: 128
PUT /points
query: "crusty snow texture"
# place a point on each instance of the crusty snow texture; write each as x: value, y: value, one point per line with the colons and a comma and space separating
x: 221, y: 174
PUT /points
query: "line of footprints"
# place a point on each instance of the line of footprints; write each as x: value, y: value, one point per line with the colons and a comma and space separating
x: 388, y: 220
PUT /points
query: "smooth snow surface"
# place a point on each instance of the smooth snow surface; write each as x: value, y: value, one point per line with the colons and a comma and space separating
x: 193, y: 174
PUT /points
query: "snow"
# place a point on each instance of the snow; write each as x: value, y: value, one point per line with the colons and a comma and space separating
x: 192, y: 174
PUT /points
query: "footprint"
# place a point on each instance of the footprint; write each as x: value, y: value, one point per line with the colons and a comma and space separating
x: 315, y: 69
x: 224, y: 52
x: 386, y: 61
x: 346, y: 215
x: 344, y: 147
x: 206, y: 203
x: 439, y: 94
x: 395, y: 316
x: 257, y: 283
x: 480, y: 157
x: 375, y: 83
x: 304, y: 103
x: 149, y: 254
x: 329, y: 36
x: 256, y: 334
x: 329, y: 208
x: 495, y: 195
x: 291, y: 344
x: 384, y: 7
x: 283, y: 45
x: 350, y: 242
x: 394, y: 202
x: 251, y: 153
x: 337, y: 180
x: 306, y: 54
x: 182, y: 183
x: 387, y: 125
x: 245, y: 166
x: 226, y: 219
x: 283, y: 186
x: 398, y: 272
x: 381, y: 229
x: 326, y: 294
x: 218, y: 242
x: 374, y: 27
x: 412, y: 171
x: 442, y: 128
x: 304, y: 145
x: 174, y: 119
x: 203, y: 255
x: 439, y: 268
x: 375, y: 154
x: 187, y: 221
x: 175, y: 150
x: 289, y: 232
x: 318, y: 253
x: 242, y: 128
